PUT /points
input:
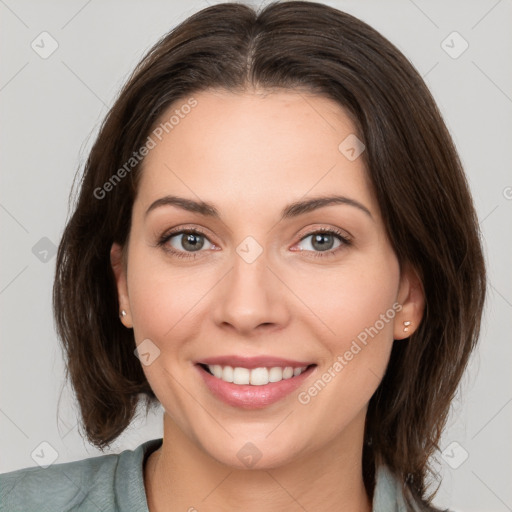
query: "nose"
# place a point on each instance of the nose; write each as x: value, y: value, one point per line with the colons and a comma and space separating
x: 251, y: 298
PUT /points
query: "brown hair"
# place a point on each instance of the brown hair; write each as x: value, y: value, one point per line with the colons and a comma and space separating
x: 413, y: 166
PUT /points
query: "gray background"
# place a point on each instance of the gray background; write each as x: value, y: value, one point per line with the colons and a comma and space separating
x: 51, y: 109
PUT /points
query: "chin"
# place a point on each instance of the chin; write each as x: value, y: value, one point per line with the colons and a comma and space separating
x: 262, y: 454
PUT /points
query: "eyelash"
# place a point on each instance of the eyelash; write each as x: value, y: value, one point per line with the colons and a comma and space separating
x: 345, y: 242
x: 179, y: 254
x: 192, y: 255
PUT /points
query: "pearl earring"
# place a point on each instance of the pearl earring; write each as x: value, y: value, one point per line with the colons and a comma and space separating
x: 123, y: 313
x: 406, y: 326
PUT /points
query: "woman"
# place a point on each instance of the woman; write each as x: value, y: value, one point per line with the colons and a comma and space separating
x: 275, y: 221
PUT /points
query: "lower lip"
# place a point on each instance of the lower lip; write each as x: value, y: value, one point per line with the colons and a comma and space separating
x: 246, y: 396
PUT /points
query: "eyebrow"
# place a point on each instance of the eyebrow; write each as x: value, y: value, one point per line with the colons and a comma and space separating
x: 292, y: 210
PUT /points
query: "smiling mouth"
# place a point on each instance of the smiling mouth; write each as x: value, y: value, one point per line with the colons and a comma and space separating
x: 254, y: 376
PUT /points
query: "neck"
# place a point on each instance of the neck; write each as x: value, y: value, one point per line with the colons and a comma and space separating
x: 181, y: 476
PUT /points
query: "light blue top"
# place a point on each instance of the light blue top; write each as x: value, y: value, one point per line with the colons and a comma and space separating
x: 109, y: 483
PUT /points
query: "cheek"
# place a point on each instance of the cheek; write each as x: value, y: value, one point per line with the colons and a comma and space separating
x: 354, y: 298
x: 357, y: 305
x: 164, y: 302
x: 162, y: 298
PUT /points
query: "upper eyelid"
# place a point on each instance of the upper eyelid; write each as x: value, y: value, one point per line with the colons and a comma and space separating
x: 181, y: 231
x: 329, y: 230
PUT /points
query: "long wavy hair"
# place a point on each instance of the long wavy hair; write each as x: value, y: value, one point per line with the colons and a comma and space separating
x: 413, y: 167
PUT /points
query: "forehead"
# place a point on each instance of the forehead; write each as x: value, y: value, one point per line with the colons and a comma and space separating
x: 255, y: 147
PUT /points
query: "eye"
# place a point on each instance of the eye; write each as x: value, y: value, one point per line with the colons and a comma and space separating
x: 324, y: 242
x: 185, y: 243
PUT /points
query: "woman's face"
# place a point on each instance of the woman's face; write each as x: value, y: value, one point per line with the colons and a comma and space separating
x: 256, y: 285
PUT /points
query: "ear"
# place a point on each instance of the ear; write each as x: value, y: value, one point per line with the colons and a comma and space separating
x: 411, y: 296
x: 119, y: 268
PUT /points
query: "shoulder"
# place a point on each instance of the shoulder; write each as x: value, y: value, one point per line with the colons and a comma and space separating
x: 389, y: 495
x: 97, y: 483
x: 66, y: 486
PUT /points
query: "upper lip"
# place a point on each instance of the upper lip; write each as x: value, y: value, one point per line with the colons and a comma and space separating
x: 253, y: 362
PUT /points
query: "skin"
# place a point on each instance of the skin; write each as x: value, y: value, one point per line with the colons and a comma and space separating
x: 251, y: 155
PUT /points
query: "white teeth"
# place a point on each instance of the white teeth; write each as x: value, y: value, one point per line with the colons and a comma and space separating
x: 259, y: 376
x: 256, y: 376
x: 288, y: 372
x: 241, y: 375
x: 216, y: 369
x: 227, y: 374
x: 275, y: 374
